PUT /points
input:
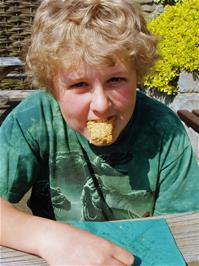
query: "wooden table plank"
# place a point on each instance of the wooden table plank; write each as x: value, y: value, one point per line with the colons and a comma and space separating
x: 185, y: 229
x: 11, y: 257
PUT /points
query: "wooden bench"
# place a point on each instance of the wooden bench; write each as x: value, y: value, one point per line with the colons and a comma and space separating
x: 190, y: 118
x: 8, y: 64
x: 10, y: 98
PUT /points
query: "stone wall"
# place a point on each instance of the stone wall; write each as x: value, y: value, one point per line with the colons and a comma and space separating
x: 151, y: 10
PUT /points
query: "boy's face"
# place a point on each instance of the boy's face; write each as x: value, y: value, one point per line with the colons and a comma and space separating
x: 92, y: 93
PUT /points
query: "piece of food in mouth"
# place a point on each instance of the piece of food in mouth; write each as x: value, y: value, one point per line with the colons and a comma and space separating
x: 101, y: 131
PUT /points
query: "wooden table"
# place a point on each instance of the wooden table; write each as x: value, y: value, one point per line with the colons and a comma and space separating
x: 185, y: 229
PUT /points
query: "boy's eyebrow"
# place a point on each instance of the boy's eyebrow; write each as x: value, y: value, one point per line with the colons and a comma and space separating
x: 81, y: 78
x: 79, y: 75
x: 72, y: 80
x: 118, y: 73
x: 74, y: 76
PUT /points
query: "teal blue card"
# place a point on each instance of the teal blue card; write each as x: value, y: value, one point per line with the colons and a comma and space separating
x: 150, y: 241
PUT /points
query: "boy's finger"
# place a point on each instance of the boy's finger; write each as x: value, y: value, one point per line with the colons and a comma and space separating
x: 116, y: 262
x: 124, y: 256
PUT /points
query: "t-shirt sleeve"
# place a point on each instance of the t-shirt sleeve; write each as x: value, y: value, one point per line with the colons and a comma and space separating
x: 179, y: 179
x: 19, y: 161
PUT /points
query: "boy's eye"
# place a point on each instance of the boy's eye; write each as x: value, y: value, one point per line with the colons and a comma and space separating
x: 116, y: 80
x: 79, y: 85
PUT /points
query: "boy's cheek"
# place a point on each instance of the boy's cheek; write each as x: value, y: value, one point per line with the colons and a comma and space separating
x: 74, y: 116
x: 124, y: 95
x: 72, y: 106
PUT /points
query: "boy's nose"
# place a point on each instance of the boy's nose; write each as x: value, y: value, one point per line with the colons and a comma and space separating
x: 100, y: 101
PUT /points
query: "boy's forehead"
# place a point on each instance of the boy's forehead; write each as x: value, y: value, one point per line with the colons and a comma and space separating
x: 85, y: 70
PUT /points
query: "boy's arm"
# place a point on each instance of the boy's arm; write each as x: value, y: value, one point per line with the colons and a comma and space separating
x: 179, y: 185
x: 57, y: 243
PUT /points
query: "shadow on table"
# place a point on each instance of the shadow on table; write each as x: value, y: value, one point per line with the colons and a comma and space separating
x: 137, y: 261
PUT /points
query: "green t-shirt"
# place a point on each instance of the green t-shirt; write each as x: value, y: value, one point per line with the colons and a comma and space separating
x: 149, y: 170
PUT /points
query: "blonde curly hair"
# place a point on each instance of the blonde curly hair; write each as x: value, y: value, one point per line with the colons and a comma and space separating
x: 97, y: 32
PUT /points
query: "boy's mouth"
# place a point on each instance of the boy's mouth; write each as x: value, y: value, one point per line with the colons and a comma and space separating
x: 101, y: 130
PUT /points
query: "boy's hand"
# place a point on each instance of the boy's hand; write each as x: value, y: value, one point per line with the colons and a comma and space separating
x: 59, y: 244
x: 67, y: 245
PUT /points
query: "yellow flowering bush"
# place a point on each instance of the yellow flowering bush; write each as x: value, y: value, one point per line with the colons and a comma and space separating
x: 178, y: 30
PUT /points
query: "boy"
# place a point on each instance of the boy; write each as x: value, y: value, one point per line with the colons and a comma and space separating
x: 90, y: 55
